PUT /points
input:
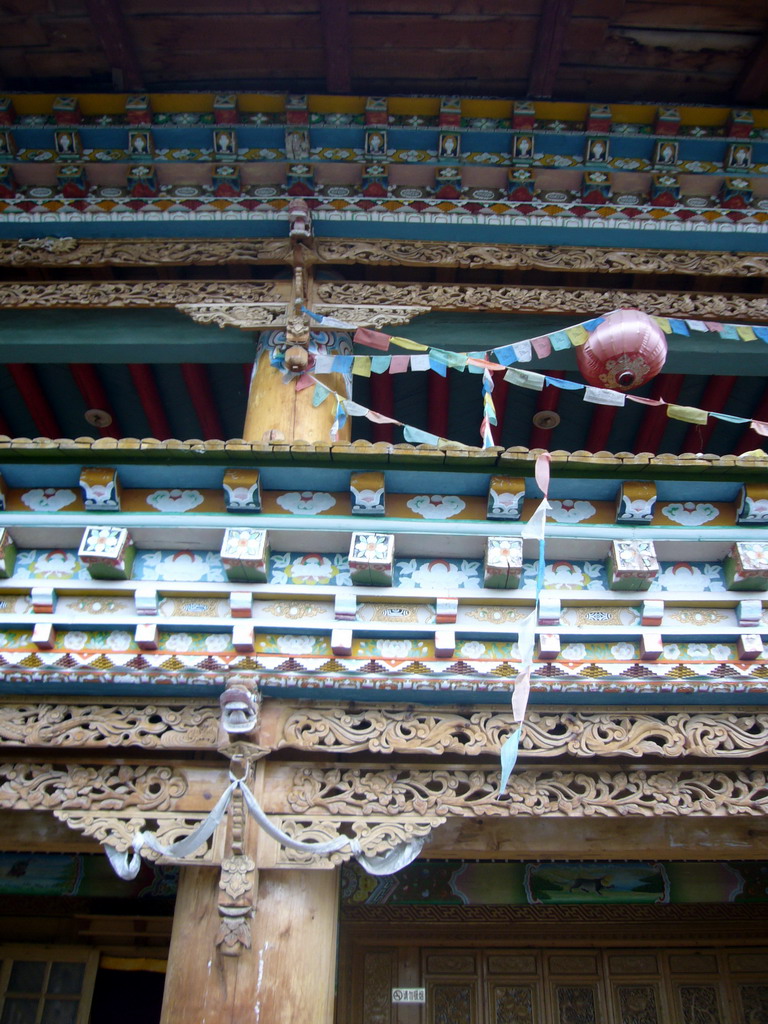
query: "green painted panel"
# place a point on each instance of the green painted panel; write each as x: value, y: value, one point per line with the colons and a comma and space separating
x: 118, y: 336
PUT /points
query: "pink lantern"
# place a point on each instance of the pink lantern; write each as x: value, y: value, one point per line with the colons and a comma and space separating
x: 623, y: 352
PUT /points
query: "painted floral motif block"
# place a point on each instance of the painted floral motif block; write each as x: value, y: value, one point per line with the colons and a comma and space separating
x: 635, y: 502
x: 147, y: 636
x: 7, y: 554
x: 43, y: 600
x: 367, y: 494
x: 752, y: 506
x: 550, y: 609
x: 145, y: 599
x: 345, y: 606
x: 503, y: 563
x: 651, y: 646
x: 667, y: 121
x: 750, y: 646
x: 107, y: 552
x: 446, y: 609
x: 44, y: 636
x: 242, y: 490
x: 549, y: 646
x: 66, y: 110
x: 505, y: 497
x: 746, y: 567
x: 341, y: 642
x: 652, y: 613
x: 240, y: 604
x: 749, y: 613
x: 523, y: 115
x: 436, y: 506
x: 101, y: 489
x: 631, y: 565
x: 242, y: 637
x: 245, y: 554
x: 371, y: 559
x: 306, y: 503
x: 445, y: 643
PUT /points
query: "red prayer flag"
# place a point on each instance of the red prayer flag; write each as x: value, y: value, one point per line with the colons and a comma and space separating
x: 371, y: 339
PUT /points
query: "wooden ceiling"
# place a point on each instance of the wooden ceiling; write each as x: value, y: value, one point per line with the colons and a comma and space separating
x: 682, y: 51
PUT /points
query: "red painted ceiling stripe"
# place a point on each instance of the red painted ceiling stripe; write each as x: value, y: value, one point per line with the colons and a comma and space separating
x: 383, y: 401
x: 26, y: 379
x: 196, y: 378
x: 654, y: 423
x: 94, y: 395
x: 600, y: 427
x: 438, y: 400
x: 151, y: 401
x: 716, y: 394
x: 500, y: 396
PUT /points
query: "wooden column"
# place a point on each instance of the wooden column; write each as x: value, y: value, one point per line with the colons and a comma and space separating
x: 287, y: 975
x: 277, y: 411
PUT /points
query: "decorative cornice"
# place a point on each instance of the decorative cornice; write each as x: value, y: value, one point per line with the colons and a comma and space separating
x: 106, y: 294
x: 674, y: 792
x: 48, y: 787
x: 188, y: 725
x: 376, y: 835
x: 71, y: 252
x: 337, y: 730
x: 522, y: 299
x: 472, y: 256
x: 141, y: 252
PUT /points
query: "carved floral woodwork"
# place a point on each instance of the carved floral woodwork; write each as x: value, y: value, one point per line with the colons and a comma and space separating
x: 149, y: 251
x: 192, y: 725
x: 335, y: 729
x: 106, y: 294
x: 87, y: 252
x: 37, y: 787
x: 117, y: 828
x: 522, y: 298
x: 531, y: 792
x: 376, y: 835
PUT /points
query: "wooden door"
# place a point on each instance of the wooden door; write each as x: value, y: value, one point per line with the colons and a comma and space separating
x: 579, y: 985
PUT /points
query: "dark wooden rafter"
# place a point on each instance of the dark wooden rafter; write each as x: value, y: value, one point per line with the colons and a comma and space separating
x: 752, y: 84
x: 111, y: 28
x: 26, y: 380
x: 600, y: 427
x: 501, y: 391
x: 716, y: 394
x: 383, y: 401
x: 438, y: 401
x: 95, y: 397
x: 151, y: 400
x: 654, y: 423
x: 196, y: 379
x: 337, y: 46
x: 550, y: 43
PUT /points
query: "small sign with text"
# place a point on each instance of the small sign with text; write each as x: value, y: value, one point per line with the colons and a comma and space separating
x: 409, y: 995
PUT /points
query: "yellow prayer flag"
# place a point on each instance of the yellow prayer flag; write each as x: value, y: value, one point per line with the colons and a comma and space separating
x: 664, y: 324
x: 412, y: 346
x: 687, y: 413
x: 746, y: 333
x: 577, y: 335
x: 361, y: 366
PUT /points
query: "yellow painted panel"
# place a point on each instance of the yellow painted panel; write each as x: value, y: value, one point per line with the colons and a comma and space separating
x: 428, y: 106
x: 261, y: 103
x: 337, y: 104
x: 486, y: 108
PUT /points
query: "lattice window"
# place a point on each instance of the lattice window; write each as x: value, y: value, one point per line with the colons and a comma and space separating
x: 46, y: 984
